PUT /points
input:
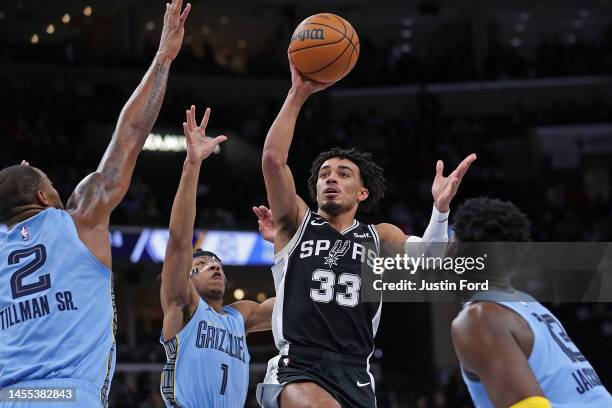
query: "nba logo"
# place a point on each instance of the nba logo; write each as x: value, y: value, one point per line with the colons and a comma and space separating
x: 25, y: 234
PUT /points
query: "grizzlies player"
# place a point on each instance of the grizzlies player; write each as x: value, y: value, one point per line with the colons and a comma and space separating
x: 205, y: 342
x: 56, y: 301
x: 513, y: 351
x: 324, y: 333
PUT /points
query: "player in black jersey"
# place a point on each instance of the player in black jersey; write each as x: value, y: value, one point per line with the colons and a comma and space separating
x: 325, y: 335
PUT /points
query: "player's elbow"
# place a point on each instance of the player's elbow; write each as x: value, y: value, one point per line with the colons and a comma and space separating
x: 272, y: 162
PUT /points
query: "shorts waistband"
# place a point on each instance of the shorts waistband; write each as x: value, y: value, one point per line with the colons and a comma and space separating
x: 328, y: 356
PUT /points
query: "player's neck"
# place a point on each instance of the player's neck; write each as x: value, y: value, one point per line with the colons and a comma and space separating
x: 23, y: 213
x: 215, y: 304
x: 341, y: 221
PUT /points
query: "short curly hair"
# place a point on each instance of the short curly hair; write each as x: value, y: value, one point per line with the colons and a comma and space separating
x: 18, y: 188
x: 485, y: 219
x: 371, y: 174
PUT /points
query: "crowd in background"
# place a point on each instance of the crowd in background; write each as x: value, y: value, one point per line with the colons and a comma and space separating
x: 49, y: 128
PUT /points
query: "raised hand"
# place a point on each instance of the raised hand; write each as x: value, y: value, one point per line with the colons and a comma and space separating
x: 199, y: 146
x: 174, y: 29
x: 304, y: 86
x: 445, y: 188
x: 267, y: 227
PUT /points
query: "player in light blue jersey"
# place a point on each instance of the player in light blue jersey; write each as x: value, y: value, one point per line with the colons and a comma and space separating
x: 513, y: 351
x: 57, y: 315
x: 205, y: 342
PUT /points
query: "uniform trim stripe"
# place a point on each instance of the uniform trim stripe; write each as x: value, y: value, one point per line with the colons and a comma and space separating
x: 376, y: 238
x: 168, y: 376
x: 354, y: 225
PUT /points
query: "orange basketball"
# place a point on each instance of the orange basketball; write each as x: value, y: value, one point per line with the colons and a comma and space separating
x: 324, y: 47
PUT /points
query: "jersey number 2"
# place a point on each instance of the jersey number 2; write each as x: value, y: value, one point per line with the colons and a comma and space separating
x: 20, y: 289
x: 327, y: 280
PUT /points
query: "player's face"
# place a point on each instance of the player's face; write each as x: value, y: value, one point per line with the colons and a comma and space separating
x: 208, y: 277
x: 48, y: 195
x: 339, y: 186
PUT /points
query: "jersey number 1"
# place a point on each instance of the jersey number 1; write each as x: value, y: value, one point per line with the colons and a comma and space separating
x: 20, y: 289
x: 225, y: 369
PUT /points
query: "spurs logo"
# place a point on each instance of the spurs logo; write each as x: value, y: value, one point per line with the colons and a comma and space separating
x: 339, y: 249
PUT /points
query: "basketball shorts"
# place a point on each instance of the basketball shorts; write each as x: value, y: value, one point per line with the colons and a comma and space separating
x: 346, y: 378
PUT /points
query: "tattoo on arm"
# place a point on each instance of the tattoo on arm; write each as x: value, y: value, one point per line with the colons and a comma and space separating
x: 156, y: 96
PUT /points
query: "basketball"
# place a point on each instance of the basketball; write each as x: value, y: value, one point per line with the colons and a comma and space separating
x: 324, y: 47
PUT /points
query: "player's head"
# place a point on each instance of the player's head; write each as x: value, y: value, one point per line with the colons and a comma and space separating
x: 480, y: 225
x: 342, y: 179
x: 486, y: 219
x: 23, y: 187
x: 207, y: 274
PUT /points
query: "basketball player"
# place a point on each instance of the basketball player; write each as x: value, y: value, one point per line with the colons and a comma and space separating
x: 205, y: 342
x: 325, y: 335
x: 513, y: 351
x: 56, y: 301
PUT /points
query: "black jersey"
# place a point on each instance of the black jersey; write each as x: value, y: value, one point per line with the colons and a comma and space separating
x: 318, y: 278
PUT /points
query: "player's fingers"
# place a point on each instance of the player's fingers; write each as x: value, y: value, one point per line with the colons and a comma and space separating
x: 439, y: 168
x: 188, y: 120
x: 219, y: 139
x: 258, y: 213
x: 185, y: 13
x: 178, y: 6
x: 465, y: 165
x: 24, y: 163
x: 187, y: 132
x: 265, y: 210
x: 192, y: 121
x: 204, y: 122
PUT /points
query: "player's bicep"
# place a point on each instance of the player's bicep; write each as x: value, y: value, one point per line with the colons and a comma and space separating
x: 282, y: 197
x: 492, y: 353
x: 392, y: 237
x: 177, y: 289
x: 261, y: 317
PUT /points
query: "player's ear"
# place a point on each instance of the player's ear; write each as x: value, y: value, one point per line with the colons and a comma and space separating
x: 43, y: 199
x: 363, y: 194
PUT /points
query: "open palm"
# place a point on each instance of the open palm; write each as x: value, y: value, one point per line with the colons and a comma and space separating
x: 445, y: 188
x: 199, y: 146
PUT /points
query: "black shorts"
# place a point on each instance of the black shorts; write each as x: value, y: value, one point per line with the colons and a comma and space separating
x: 346, y: 378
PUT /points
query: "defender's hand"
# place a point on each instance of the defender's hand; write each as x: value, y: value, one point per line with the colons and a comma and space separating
x: 199, y: 146
x: 174, y: 29
x: 445, y: 188
x: 302, y: 85
x: 267, y: 227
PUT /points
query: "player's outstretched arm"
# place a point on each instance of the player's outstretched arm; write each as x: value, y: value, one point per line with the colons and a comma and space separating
x: 178, y: 295
x: 257, y: 316
x: 100, y: 192
x: 286, y: 206
x: 487, y: 347
x: 443, y: 191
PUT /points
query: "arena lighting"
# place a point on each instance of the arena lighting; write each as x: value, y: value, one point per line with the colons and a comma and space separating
x: 406, y: 33
x: 66, y: 18
x: 261, y: 297
x: 50, y: 29
x: 87, y: 11
x: 34, y: 39
x: 239, y: 294
x: 168, y: 143
x: 150, y: 26
x: 2, y: 14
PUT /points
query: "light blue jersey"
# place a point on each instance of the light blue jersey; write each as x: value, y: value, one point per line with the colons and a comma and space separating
x: 566, y: 377
x: 208, y: 361
x: 56, y: 311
